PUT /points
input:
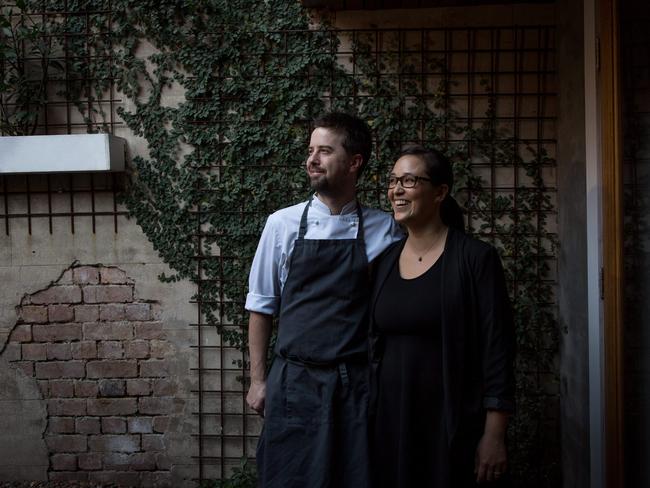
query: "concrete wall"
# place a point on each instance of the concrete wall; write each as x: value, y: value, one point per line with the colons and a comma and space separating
x: 79, y: 399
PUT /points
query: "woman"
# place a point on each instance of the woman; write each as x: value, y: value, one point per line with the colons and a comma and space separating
x: 443, y: 341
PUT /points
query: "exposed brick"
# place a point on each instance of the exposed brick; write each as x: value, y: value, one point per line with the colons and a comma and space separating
x: 115, y: 478
x: 61, y: 425
x: 68, y: 476
x: 34, y: 352
x: 113, y: 425
x: 60, y: 313
x: 110, y: 350
x: 112, y: 369
x: 112, y: 406
x: 138, y: 387
x: 112, y: 388
x: 26, y: 367
x: 60, y: 369
x: 160, y: 349
x: 61, y: 388
x: 84, y: 350
x: 138, y: 311
x: 85, y: 275
x: 108, y: 293
x: 113, y: 276
x: 111, y: 312
x: 67, y: 406
x: 56, y: 332
x: 33, y: 314
x: 140, y: 425
x: 63, y: 462
x: 155, y: 406
x: 57, y: 294
x: 154, y: 368
x: 153, y: 442
x: 85, y: 389
x: 114, y: 443
x: 149, y: 330
x: 21, y: 333
x: 137, y: 349
x: 66, y: 443
x: 160, y: 424
x: 108, y: 331
x: 164, y: 387
x: 86, y: 313
x: 87, y: 425
x: 13, y: 351
x: 116, y: 460
x: 143, y: 461
x: 59, y: 351
x: 44, y: 386
x: 89, y: 461
x: 66, y: 277
x: 163, y: 461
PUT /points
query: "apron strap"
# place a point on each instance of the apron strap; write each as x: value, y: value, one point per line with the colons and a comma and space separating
x: 303, y: 220
x: 360, y: 236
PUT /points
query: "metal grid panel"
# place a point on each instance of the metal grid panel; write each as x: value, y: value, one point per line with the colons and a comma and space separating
x: 518, y: 63
x: 27, y: 200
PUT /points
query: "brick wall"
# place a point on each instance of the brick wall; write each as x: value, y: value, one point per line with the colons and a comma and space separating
x: 100, y: 359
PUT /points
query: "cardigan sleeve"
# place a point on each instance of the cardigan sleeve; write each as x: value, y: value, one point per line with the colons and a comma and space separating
x: 496, y: 331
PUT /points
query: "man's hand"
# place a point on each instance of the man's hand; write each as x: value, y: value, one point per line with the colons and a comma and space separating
x: 259, y: 333
x: 257, y: 396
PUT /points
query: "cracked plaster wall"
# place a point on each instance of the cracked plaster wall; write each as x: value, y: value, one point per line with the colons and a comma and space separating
x: 31, y: 262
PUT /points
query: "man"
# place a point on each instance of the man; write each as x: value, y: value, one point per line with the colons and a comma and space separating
x: 311, y: 269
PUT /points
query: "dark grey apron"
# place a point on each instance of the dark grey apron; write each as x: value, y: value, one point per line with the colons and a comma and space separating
x: 315, y: 431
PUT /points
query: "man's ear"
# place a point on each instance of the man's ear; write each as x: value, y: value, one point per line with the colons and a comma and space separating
x: 356, y: 163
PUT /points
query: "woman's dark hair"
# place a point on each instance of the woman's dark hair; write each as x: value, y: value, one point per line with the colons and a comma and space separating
x: 439, y: 170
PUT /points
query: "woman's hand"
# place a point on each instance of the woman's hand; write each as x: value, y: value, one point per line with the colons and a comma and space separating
x: 491, y: 457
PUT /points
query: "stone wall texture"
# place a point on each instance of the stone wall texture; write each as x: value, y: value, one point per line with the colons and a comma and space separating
x: 100, y: 358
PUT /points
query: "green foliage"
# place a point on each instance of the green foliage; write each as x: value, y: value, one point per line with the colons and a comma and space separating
x: 243, y: 476
x: 27, y: 65
x: 223, y: 99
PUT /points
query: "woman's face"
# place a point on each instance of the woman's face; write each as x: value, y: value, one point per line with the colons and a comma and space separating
x: 417, y: 205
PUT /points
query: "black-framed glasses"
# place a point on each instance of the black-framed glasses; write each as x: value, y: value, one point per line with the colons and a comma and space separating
x: 407, y: 180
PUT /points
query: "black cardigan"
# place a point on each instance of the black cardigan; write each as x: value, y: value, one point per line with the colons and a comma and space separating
x: 477, y: 330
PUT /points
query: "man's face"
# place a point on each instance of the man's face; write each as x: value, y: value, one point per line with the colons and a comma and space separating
x: 328, y: 164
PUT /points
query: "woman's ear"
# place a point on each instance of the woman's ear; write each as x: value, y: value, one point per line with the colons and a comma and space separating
x: 442, y: 191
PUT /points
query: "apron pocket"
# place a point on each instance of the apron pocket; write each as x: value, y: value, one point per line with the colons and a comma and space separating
x: 310, y: 393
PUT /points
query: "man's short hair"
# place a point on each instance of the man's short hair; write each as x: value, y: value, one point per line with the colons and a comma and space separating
x: 357, y: 138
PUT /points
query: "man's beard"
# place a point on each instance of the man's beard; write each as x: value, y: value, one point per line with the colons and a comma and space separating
x: 319, y: 184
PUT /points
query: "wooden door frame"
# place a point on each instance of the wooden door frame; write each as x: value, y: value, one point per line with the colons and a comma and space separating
x: 612, y: 207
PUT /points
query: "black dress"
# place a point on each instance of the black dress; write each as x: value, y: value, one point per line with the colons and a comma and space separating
x: 409, y: 440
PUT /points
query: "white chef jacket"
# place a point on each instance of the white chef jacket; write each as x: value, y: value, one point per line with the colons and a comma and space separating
x: 271, y: 263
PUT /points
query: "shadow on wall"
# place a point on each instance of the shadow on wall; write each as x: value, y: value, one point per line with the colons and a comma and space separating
x: 99, y: 357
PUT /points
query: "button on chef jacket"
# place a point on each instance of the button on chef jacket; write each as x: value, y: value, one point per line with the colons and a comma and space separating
x: 271, y: 263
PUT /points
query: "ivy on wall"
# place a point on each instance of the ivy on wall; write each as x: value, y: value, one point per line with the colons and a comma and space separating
x: 223, y: 101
